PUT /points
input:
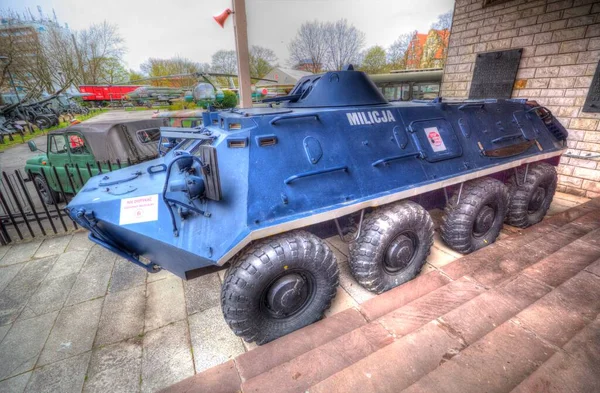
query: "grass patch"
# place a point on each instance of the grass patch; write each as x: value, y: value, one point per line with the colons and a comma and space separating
x: 18, y: 139
x: 143, y: 108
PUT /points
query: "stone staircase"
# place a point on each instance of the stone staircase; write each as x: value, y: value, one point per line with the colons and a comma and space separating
x: 520, y: 315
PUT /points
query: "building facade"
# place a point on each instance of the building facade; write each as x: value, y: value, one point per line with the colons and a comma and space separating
x: 560, y: 43
x: 427, y: 50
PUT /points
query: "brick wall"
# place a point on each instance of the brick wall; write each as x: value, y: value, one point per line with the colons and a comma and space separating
x: 561, y: 49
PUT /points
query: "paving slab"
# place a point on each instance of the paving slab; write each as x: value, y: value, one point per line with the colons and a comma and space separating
x: 7, y: 273
x: 94, y: 276
x: 68, y: 263
x: 126, y: 275
x: 15, y: 384
x: 66, y: 376
x: 340, y: 249
x: 20, y: 252
x: 439, y: 258
x: 22, y: 345
x: 3, y: 330
x: 164, y: 303
x: 160, y: 275
x: 80, y: 242
x: 17, y: 293
x: 212, y: 340
x: 592, y: 238
x: 51, y: 294
x: 3, y: 251
x: 202, y: 293
x: 397, y: 365
x: 166, y: 357
x: 122, y: 316
x: 73, y: 332
x: 53, y: 246
x: 354, y: 289
x: 115, y: 368
x: 341, y: 302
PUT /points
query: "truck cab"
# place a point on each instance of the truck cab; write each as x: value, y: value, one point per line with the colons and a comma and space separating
x: 84, y: 150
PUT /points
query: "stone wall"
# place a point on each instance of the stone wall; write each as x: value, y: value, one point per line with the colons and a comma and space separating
x: 561, y: 50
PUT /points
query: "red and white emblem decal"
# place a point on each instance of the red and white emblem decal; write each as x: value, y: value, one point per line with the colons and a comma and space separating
x: 435, y: 139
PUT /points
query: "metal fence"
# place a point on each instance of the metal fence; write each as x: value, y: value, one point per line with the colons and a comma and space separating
x: 23, y: 212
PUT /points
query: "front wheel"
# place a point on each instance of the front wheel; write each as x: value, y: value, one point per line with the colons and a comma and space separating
x: 279, y: 285
x: 49, y: 196
x: 392, y: 247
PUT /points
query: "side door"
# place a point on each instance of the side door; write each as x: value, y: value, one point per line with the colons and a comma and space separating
x: 80, y: 155
x: 58, y: 156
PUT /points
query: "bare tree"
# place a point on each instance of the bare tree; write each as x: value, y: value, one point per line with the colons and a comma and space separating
x: 155, y: 67
x: 261, y: 61
x: 444, y: 21
x: 396, y: 53
x: 309, y: 47
x: 97, y: 45
x: 224, y: 61
x: 344, y: 44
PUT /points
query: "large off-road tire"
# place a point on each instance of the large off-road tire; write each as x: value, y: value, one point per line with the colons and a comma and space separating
x: 392, y: 247
x: 43, y: 122
x: 279, y: 285
x: 476, y: 220
x: 47, y: 193
x: 530, y: 198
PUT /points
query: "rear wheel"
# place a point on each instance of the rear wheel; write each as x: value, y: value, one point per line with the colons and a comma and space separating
x: 476, y: 219
x: 43, y: 122
x: 531, y: 196
x: 279, y: 285
x: 392, y: 247
x: 47, y: 193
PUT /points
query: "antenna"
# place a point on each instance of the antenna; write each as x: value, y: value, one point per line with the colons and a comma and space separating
x: 39, y: 8
x: 30, y: 14
x: 55, y: 18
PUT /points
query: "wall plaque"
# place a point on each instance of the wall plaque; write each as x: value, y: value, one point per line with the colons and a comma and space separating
x: 494, y: 74
x: 592, y: 102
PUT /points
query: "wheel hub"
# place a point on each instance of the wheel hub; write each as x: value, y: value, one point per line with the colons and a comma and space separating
x: 287, y: 295
x: 484, y: 220
x: 399, y: 253
x: 537, y: 199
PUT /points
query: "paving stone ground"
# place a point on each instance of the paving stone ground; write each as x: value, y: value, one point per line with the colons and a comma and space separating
x: 75, y: 317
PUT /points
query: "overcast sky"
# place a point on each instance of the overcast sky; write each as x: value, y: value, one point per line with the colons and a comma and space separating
x: 186, y: 28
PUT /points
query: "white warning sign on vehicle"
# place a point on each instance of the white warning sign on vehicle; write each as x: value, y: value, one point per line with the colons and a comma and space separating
x: 139, y: 209
x: 435, y: 139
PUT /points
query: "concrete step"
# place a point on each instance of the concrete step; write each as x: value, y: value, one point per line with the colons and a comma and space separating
x: 406, y: 333
x: 491, y: 320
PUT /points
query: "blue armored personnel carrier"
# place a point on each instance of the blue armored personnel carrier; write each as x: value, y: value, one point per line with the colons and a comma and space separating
x: 244, y: 190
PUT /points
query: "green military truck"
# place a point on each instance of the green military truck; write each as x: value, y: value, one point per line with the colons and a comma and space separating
x: 81, y: 151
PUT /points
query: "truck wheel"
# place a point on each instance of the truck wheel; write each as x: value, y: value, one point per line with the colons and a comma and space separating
x: 46, y: 192
x: 476, y: 220
x: 392, y: 247
x: 279, y: 285
x: 530, y: 200
x: 43, y: 122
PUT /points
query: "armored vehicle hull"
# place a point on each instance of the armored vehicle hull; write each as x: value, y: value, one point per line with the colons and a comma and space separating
x: 239, y: 189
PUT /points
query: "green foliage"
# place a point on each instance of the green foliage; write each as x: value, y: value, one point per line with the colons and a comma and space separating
x: 374, y: 61
x: 18, y: 139
x: 181, y: 105
x: 230, y: 100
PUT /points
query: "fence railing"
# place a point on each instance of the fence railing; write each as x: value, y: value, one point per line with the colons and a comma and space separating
x: 24, y: 211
